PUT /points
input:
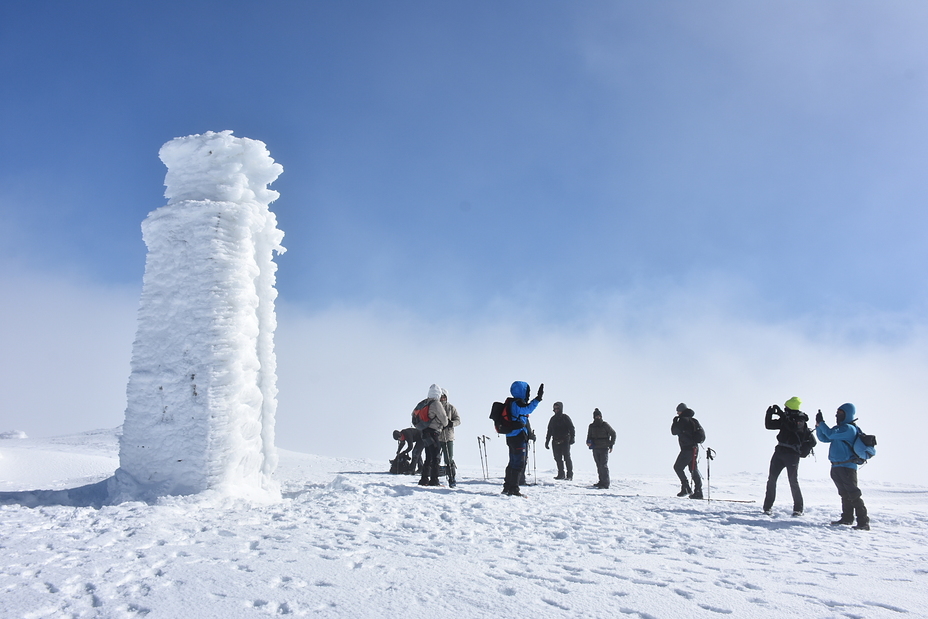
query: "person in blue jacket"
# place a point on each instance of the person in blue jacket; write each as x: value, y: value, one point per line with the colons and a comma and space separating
x: 517, y: 440
x: 843, y: 469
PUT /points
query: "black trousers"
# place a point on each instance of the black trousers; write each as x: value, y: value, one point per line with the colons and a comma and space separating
x: 562, y: 456
x: 784, y: 458
x: 601, y: 458
x: 687, y: 459
x: 432, y: 456
x: 846, y: 481
x: 517, y: 447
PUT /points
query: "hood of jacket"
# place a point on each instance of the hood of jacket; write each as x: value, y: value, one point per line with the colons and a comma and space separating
x: 519, y: 390
x: 687, y: 413
x: 434, y: 392
x: 850, y: 412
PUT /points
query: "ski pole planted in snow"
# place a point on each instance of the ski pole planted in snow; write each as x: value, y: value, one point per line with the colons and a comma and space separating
x: 710, y: 456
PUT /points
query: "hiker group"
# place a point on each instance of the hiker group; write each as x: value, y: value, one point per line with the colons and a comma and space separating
x: 434, y: 420
x: 432, y: 431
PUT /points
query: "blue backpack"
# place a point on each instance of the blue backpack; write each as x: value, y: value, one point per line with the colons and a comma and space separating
x: 864, y: 447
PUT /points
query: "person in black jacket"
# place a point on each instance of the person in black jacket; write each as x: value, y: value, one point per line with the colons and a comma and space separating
x: 689, y: 434
x: 786, y: 454
x: 411, y: 439
x: 600, y: 437
x: 561, y: 433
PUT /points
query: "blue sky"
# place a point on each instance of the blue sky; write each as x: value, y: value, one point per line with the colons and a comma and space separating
x: 540, y: 169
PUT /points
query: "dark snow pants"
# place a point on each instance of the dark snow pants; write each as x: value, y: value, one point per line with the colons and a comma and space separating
x: 517, y: 448
x: 687, y: 459
x: 601, y: 458
x: 432, y: 457
x: 846, y: 481
x: 562, y: 456
x: 784, y: 458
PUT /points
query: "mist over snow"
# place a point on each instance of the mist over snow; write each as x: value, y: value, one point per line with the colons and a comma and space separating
x: 636, y: 369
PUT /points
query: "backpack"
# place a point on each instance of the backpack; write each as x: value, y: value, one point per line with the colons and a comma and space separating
x: 864, y: 447
x: 699, y: 435
x: 420, y: 415
x: 501, y: 415
x: 806, y: 442
x: 401, y: 464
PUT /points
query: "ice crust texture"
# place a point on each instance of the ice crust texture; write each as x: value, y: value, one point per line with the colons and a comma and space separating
x: 202, y: 394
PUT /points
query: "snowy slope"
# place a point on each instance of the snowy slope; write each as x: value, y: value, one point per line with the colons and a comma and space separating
x: 349, y: 540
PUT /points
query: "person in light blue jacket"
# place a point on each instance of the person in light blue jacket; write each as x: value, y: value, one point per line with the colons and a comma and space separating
x: 520, y: 408
x: 843, y: 467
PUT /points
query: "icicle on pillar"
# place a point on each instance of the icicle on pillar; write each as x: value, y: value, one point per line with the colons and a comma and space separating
x: 202, y: 393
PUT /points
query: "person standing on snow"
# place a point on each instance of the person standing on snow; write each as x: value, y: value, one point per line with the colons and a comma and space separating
x: 600, y: 437
x: 689, y: 434
x: 843, y: 468
x: 446, y: 438
x: 437, y: 420
x: 561, y: 433
x: 517, y: 440
x: 786, y: 455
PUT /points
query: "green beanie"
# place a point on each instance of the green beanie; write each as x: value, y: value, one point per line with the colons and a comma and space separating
x: 793, y: 403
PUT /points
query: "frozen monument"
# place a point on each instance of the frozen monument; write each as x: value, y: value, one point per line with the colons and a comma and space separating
x: 202, y: 393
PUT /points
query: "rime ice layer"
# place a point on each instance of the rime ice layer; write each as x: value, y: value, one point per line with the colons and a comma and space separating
x: 203, y: 387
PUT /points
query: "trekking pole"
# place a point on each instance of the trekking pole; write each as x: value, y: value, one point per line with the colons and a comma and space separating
x: 480, y: 449
x: 534, y: 463
x: 710, y: 456
x: 484, y: 459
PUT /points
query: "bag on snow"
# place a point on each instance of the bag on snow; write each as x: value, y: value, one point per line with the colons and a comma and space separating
x: 401, y: 464
x: 501, y: 415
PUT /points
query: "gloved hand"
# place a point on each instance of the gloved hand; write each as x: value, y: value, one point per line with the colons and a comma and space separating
x: 531, y: 436
x: 589, y: 444
x: 819, y: 418
x: 547, y: 445
x: 541, y: 392
x: 571, y: 441
x: 773, y: 409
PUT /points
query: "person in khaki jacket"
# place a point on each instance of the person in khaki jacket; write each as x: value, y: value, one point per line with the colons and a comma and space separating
x: 446, y: 438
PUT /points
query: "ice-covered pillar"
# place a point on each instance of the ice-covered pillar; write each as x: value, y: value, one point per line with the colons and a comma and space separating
x: 202, y: 393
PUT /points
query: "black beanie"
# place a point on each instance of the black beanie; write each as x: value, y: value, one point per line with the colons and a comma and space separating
x: 597, y: 413
x: 681, y: 407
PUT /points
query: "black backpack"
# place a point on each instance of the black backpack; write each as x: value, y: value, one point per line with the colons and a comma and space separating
x: 699, y: 435
x: 401, y: 464
x: 501, y: 414
x: 807, y: 441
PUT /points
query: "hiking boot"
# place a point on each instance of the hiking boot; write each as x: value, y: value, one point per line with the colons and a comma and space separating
x: 797, y: 513
x: 423, y: 482
x: 560, y: 476
x: 767, y: 512
x: 835, y: 523
x: 570, y: 477
x: 684, y: 490
x: 696, y: 495
x: 863, y: 526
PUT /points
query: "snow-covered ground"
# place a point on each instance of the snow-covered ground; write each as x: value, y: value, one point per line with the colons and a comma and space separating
x: 350, y: 540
